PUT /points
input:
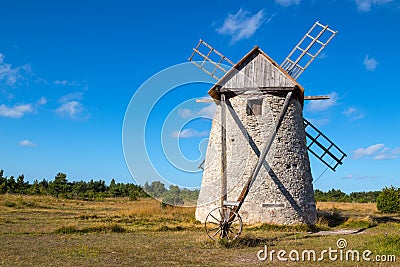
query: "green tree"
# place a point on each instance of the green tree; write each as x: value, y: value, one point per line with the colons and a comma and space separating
x: 3, y: 183
x: 173, y: 196
x: 59, y: 186
x: 44, y: 186
x: 156, y: 189
x: 11, y: 184
x: 114, y: 189
x: 21, y: 186
x: 78, y: 189
x: 34, y: 189
x: 319, y: 195
x: 388, y: 200
x: 172, y: 199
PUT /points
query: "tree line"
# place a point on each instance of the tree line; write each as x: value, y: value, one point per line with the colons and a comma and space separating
x: 336, y: 195
x: 62, y: 188
x: 95, y: 190
x: 173, y: 196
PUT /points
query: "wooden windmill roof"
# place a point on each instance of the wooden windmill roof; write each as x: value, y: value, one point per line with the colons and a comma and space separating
x: 256, y: 70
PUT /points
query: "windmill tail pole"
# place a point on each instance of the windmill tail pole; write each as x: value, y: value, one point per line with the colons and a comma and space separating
x: 264, y: 152
x: 224, y: 173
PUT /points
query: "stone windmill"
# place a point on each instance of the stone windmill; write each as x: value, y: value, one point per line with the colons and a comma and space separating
x: 257, y: 157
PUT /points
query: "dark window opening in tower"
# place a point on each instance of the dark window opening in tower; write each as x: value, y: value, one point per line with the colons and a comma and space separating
x: 254, y: 107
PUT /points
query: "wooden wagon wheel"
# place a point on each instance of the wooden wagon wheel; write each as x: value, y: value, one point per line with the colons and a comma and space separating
x: 223, y: 223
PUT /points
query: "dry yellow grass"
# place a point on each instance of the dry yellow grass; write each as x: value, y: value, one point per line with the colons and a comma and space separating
x: 369, y: 208
x: 45, y: 231
x: 47, y: 214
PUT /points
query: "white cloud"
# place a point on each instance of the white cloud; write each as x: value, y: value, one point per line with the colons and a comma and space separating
x: 322, y: 55
x: 16, y: 111
x: 370, y: 63
x: 67, y: 83
x: 349, y: 111
x: 61, y: 82
x: 364, y: 152
x: 71, y: 97
x: 207, y: 111
x: 242, y: 25
x: 377, y: 152
x: 360, y: 177
x: 286, y: 3
x: 71, y: 107
x: 9, y: 75
x: 353, y: 113
x: 321, y: 105
x: 388, y: 153
x: 26, y: 143
x: 42, y: 101
x: 189, y: 133
x: 365, y: 5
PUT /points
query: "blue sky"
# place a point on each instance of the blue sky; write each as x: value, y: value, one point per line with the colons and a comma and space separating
x: 69, y: 69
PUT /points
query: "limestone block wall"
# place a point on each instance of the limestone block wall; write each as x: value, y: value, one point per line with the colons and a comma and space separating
x: 283, y: 191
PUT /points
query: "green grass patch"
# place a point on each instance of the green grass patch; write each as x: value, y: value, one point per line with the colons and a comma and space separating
x: 284, y: 228
x: 20, y: 204
x: 248, y: 241
x: 164, y: 228
x: 384, y: 245
x: 10, y: 204
x: 366, y: 222
x: 114, y: 228
x: 87, y: 217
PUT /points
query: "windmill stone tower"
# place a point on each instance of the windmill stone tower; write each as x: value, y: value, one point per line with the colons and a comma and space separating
x: 283, y: 191
x: 257, y: 151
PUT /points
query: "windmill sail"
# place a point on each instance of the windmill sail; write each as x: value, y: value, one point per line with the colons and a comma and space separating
x: 307, y: 49
x: 210, y: 60
x: 322, y: 147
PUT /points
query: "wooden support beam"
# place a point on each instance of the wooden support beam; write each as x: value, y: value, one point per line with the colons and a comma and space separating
x: 224, y: 178
x: 258, y: 88
x: 204, y: 100
x: 264, y: 153
x: 317, y: 97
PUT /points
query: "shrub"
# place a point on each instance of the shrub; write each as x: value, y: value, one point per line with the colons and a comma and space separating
x: 388, y: 200
x: 10, y: 204
x: 172, y: 199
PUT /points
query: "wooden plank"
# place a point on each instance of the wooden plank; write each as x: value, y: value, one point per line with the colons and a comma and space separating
x: 217, y: 52
x: 268, y: 75
x: 209, y: 60
x: 204, y: 100
x: 317, y: 97
x: 224, y: 174
x: 231, y: 203
x: 263, y: 89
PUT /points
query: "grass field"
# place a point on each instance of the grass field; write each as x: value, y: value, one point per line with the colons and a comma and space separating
x: 45, y: 231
